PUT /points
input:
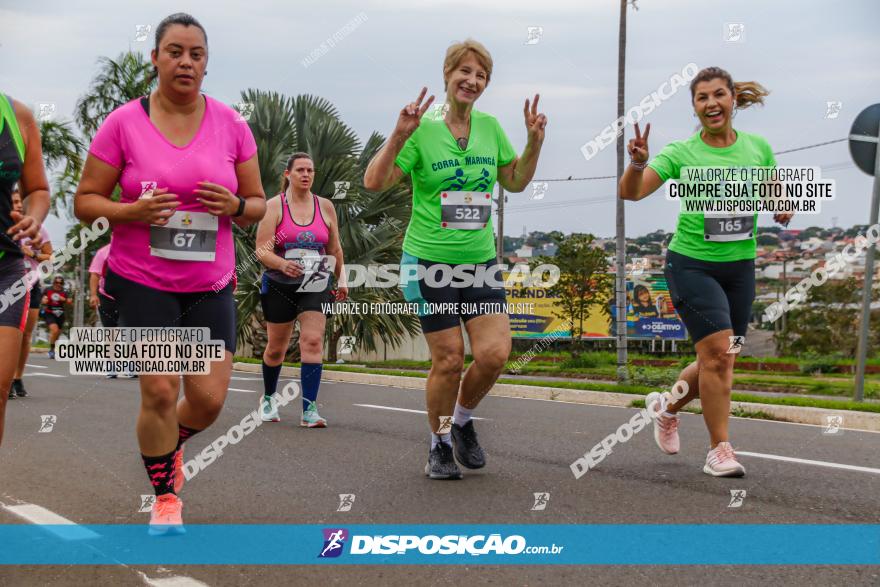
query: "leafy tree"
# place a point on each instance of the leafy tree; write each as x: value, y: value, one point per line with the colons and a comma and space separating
x: 583, y: 284
x: 829, y: 320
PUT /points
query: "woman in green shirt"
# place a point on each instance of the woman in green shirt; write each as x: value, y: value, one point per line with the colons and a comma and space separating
x: 710, y: 265
x: 21, y: 162
x: 454, y: 155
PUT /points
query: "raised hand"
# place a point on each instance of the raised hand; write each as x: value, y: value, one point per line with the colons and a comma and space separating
x: 783, y: 218
x: 638, y: 147
x: 535, y: 122
x: 411, y: 115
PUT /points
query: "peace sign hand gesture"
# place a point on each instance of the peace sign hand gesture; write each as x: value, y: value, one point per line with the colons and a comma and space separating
x: 535, y: 122
x: 638, y: 147
x: 411, y: 115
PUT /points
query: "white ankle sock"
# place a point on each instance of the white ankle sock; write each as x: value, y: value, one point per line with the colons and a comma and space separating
x: 438, y: 438
x: 461, y: 415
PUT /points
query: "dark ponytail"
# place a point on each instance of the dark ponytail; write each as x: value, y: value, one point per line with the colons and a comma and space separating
x: 285, y: 182
x: 180, y: 18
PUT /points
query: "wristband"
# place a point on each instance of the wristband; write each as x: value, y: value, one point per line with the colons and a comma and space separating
x: 639, y: 166
x: 241, y: 202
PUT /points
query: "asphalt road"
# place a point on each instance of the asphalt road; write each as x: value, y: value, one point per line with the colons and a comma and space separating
x: 87, y: 469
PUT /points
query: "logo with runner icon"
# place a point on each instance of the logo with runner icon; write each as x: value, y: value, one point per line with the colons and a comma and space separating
x: 541, y: 501
x: 737, y: 497
x: 736, y: 344
x: 334, y: 542
x: 346, y: 501
x: 47, y: 423
x: 147, y: 188
x: 147, y: 502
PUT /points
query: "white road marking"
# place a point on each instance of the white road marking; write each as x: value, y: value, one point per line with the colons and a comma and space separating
x: 242, y: 390
x: 403, y: 410
x: 175, y: 581
x: 39, y: 515
x: 36, y: 366
x: 809, y: 462
x: 45, y: 375
x: 245, y: 379
x: 589, y: 404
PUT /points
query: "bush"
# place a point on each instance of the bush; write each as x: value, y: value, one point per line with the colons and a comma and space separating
x: 817, y: 364
x: 589, y: 361
x: 653, y: 376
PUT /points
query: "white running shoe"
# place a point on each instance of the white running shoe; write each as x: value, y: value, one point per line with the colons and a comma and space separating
x: 665, y: 427
x: 269, y: 409
x: 721, y: 462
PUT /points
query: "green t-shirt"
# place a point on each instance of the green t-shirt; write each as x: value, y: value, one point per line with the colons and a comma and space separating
x: 436, y: 164
x: 690, y: 234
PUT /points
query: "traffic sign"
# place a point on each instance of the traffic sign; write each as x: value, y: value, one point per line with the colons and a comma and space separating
x: 864, y: 137
x: 864, y: 140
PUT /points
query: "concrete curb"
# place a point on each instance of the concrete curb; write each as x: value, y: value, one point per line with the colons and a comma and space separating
x: 852, y: 420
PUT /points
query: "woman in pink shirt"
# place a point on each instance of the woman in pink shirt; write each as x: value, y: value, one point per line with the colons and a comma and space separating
x: 102, y: 303
x: 187, y: 167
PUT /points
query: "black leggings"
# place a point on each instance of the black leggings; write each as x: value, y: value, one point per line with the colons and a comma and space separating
x: 711, y: 296
x: 142, y: 307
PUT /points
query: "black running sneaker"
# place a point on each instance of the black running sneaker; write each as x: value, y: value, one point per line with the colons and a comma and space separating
x: 441, y: 464
x: 18, y: 386
x: 467, y: 449
x: 11, y: 393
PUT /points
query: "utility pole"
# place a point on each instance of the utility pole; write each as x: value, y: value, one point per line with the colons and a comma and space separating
x: 499, y: 247
x: 78, y: 301
x: 620, y: 278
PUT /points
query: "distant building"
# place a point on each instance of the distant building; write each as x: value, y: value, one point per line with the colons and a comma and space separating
x: 525, y: 251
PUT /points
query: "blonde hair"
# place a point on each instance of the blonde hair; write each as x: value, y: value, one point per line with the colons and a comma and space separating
x: 747, y: 93
x: 457, y: 53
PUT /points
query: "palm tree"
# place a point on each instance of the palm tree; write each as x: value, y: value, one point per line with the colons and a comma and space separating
x: 371, y: 225
x: 63, y: 154
x: 118, y: 81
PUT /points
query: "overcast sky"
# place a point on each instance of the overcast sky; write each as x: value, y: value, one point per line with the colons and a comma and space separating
x: 806, y: 52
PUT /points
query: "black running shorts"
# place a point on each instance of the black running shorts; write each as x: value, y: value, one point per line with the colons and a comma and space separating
x: 711, y: 296
x: 445, y: 305
x: 144, y: 307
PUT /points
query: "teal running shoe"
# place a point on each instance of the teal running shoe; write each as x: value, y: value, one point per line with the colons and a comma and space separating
x: 311, y: 418
x: 269, y: 409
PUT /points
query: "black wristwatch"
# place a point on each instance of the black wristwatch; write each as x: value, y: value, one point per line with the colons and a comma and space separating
x: 241, y: 202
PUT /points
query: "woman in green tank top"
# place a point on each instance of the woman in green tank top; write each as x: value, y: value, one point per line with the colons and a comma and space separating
x: 710, y: 263
x: 21, y: 161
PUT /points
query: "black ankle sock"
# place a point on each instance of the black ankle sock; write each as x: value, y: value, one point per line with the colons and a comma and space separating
x: 184, y: 433
x: 161, y: 472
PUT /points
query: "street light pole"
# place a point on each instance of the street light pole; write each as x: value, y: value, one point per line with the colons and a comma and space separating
x: 620, y: 277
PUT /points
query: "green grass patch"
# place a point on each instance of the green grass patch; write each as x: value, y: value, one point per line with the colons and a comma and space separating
x: 806, y: 402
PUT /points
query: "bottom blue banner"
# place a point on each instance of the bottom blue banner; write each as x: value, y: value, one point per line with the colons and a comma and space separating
x: 606, y: 544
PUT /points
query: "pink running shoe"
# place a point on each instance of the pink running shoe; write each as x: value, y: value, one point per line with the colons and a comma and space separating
x: 721, y: 462
x: 179, y: 477
x: 665, y: 427
x: 166, y: 519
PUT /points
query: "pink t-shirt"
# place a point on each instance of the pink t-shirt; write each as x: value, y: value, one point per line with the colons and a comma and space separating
x: 97, y: 267
x: 130, y: 142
